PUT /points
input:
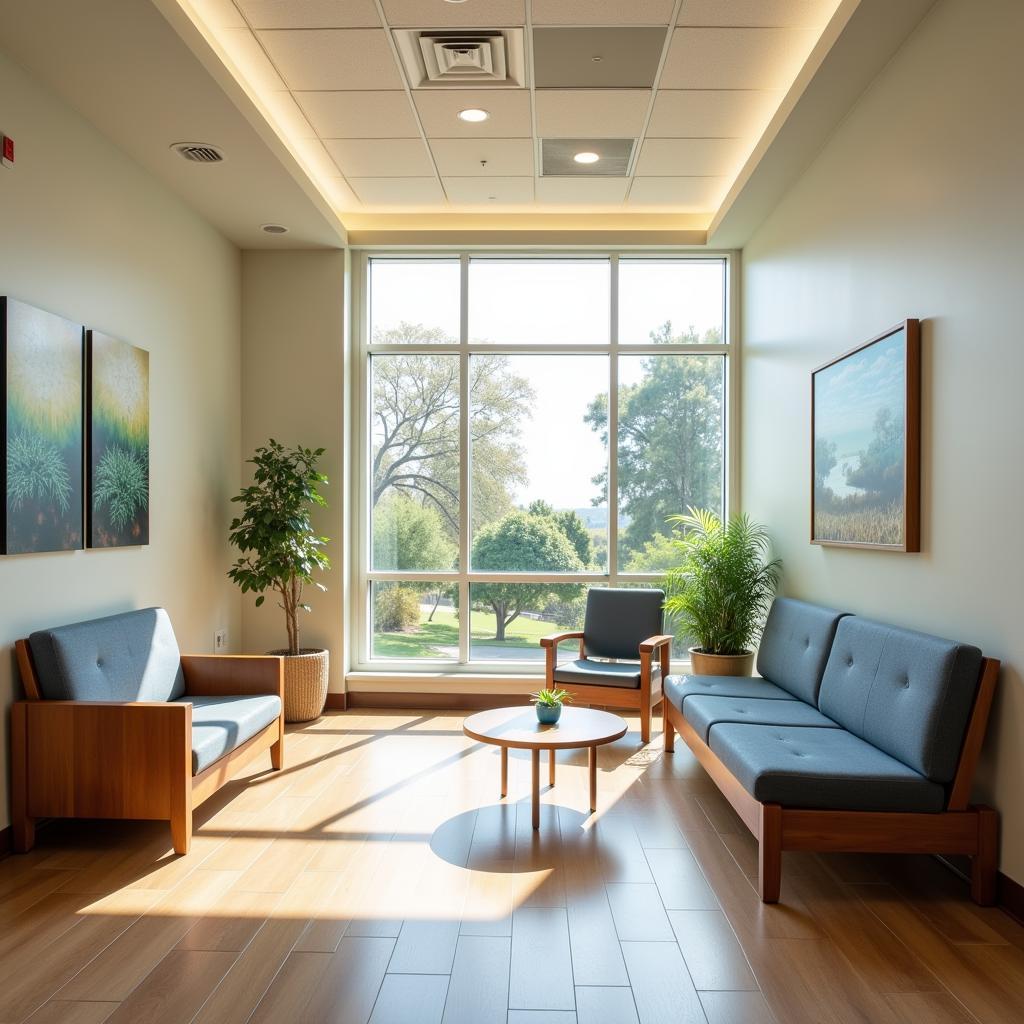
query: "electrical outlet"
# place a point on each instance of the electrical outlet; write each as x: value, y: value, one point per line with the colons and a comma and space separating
x: 220, y: 641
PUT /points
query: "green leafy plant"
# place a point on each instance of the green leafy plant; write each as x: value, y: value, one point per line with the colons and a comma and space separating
x: 719, y: 593
x: 121, y: 485
x: 280, y: 550
x: 395, y: 608
x: 551, y: 698
x: 36, y: 472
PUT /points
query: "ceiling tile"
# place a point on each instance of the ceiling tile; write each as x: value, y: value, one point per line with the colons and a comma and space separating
x: 582, y: 113
x: 736, y: 58
x: 313, y: 59
x: 712, y: 113
x: 693, y: 195
x: 380, y: 158
x: 484, y: 191
x: 581, y: 191
x: 692, y: 156
x: 397, y: 191
x: 359, y: 115
x: 509, y: 110
x: 563, y: 58
x: 505, y: 157
x: 442, y: 14
x: 602, y: 12
x: 310, y: 13
x: 766, y: 13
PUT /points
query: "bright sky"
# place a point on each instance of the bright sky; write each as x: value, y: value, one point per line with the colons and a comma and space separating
x: 556, y: 302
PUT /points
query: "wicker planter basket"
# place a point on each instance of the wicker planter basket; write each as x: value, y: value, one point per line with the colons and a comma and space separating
x: 721, y: 664
x: 305, y: 684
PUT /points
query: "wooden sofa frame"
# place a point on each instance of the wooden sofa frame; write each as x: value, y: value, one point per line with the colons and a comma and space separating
x: 959, y: 829
x: 645, y: 699
x: 129, y: 759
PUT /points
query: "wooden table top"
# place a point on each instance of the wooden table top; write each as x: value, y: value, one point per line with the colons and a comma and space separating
x: 518, y: 728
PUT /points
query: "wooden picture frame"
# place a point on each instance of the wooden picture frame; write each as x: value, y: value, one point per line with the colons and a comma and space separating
x: 873, y: 514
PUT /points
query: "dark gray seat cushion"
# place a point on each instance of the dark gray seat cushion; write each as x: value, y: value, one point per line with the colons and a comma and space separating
x: 909, y: 694
x: 821, y: 768
x: 586, y: 672
x: 619, y: 619
x: 219, y: 724
x: 795, y: 646
x: 702, y: 712
x: 127, y: 657
x: 679, y: 688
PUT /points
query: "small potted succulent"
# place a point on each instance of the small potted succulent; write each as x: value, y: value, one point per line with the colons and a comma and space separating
x: 549, y: 704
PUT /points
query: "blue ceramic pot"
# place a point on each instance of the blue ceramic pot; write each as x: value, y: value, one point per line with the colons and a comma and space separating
x: 548, y: 715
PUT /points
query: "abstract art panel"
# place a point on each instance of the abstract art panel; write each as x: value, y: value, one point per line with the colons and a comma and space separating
x: 42, y: 367
x: 118, y: 444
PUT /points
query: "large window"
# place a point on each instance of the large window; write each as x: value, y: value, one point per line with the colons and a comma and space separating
x: 527, y: 426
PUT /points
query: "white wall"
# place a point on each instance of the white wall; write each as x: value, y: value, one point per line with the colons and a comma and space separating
x: 86, y: 233
x: 293, y: 389
x: 914, y: 208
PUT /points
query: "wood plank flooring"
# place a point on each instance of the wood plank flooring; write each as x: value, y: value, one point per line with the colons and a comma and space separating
x: 379, y: 879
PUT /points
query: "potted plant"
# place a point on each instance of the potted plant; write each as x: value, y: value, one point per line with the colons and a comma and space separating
x: 281, y: 552
x: 549, y: 704
x: 719, y: 594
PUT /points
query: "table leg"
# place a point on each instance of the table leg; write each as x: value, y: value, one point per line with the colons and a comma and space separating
x: 535, y: 773
x: 504, y: 772
x: 593, y: 778
x: 551, y: 767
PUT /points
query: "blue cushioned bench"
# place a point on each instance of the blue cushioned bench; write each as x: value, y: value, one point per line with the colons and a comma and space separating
x: 119, y: 724
x: 859, y: 736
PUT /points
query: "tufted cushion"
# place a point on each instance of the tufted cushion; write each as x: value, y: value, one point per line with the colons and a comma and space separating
x: 702, y: 712
x: 908, y: 693
x: 599, y: 673
x: 795, y: 645
x: 679, y: 688
x: 219, y: 724
x: 821, y: 768
x: 619, y: 620
x: 133, y: 656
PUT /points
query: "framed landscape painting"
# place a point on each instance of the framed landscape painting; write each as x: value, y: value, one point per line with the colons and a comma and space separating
x: 41, y: 368
x: 118, y: 442
x: 866, y: 451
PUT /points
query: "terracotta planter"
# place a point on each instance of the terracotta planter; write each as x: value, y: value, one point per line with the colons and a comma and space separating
x: 721, y: 664
x: 305, y: 684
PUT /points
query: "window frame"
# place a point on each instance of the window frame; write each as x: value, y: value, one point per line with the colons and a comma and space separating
x: 363, y: 575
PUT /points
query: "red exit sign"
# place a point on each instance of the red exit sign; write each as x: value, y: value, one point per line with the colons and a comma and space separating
x: 7, y: 151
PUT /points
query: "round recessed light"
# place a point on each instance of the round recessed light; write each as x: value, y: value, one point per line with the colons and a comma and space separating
x: 274, y: 229
x: 454, y: 1
x: 586, y: 158
x: 473, y: 115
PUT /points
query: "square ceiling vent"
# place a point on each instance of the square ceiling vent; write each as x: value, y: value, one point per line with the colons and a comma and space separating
x: 451, y: 59
x: 558, y: 157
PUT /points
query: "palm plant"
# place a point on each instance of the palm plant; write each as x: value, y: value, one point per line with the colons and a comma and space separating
x: 719, y: 594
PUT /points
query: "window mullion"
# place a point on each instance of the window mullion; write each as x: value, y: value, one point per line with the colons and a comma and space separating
x: 611, y: 498
x: 465, y: 461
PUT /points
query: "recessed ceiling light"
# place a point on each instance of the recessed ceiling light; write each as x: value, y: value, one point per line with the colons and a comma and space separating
x: 473, y: 115
x: 586, y: 158
x: 274, y: 229
x: 454, y: 1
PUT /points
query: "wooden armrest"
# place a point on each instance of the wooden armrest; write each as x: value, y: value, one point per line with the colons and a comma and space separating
x: 232, y: 675
x: 651, y: 644
x: 49, y: 706
x: 554, y: 639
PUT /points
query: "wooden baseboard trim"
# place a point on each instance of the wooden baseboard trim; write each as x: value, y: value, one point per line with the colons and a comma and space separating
x: 337, y: 701
x: 434, y: 701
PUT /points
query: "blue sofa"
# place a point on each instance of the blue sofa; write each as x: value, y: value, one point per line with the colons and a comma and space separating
x: 859, y: 736
x: 117, y: 723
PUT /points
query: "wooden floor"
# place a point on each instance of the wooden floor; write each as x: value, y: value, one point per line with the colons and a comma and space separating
x: 380, y: 879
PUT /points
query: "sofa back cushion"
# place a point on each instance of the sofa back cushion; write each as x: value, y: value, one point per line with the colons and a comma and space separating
x: 619, y: 619
x: 907, y: 693
x: 795, y: 644
x: 133, y: 656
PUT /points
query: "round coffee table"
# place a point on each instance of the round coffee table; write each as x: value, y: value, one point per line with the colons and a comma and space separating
x: 519, y: 729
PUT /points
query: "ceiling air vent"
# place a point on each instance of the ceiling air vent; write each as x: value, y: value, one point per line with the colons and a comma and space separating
x: 604, y: 157
x: 445, y: 59
x: 198, y: 152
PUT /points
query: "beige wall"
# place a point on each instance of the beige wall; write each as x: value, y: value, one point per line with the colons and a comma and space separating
x: 293, y: 386
x: 86, y: 233
x: 913, y: 208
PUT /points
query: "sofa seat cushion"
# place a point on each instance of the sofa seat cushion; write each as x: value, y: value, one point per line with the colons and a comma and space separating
x: 702, y: 712
x: 678, y: 689
x: 827, y: 769
x: 219, y: 724
x: 588, y: 672
x: 127, y: 657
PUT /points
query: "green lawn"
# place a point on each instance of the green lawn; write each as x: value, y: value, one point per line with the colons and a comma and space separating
x: 444, y: 632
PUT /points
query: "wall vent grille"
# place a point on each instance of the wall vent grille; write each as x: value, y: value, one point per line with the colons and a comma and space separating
x: 198, y: 152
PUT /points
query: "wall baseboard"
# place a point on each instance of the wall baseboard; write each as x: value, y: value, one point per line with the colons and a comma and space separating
x: 435, y: 701
x: 337, y: 701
